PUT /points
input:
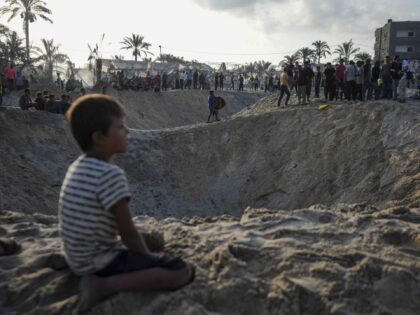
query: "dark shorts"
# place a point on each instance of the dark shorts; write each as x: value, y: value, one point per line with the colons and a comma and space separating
x: 129, y: 261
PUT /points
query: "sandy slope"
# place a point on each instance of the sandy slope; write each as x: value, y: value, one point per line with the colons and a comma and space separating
x: 341, y: 260
x: 286, y: 159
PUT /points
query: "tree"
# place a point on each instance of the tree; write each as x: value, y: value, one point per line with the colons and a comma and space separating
x: 262, y: 67
x: 136, y: 43
x: 250, y: 68
x: 12, y: 48
x: 346, y: 50
x: 222, y: 67
x: 305, y: 53
x: 94, y: 59
x: 29, y: 11
x: 170, y: 58
x: 362, y: 56
x: 321, y: 49
x: 290, y: 59
x: 50, y: 56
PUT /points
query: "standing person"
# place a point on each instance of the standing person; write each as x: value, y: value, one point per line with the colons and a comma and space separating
x: 402, y: 84
x: 211, y: 100
x: 182, y: 79
x: 241, y: 83
x: 360, y: 80
x: 221, y: 80
x: 386, y: 78
x: 302, y: 81
x: 296, y: 70
x: 10, y: 74
x: 396, y: 68
x: 367, y: 84
x: 177, y: 74
x: 232, y: 82
x: 189, y: 80
x: 284, y: 87
x: 94, y: 214
x: 309, y: 83
x: 340, y: 71
x: 216, y: 81
x: 195, y: 79
x: 350, y: 79
x: 317, y: 79
x: 376, y: 72
x: 164, y: 81
x: 330, y: 82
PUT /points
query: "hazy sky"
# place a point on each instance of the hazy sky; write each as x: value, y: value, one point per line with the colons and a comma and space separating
x: 234, y: 31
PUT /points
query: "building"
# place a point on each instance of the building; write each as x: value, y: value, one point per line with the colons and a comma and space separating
x: 398, y: 38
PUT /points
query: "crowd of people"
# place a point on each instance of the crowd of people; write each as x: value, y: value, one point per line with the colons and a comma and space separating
x: 359, y: 81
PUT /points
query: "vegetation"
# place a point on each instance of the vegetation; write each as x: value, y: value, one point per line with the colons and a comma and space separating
x: 50, y: 56
x: 346, y: 50
x: 321, y: 49
x: 29, y: 11
x: 137, y: 44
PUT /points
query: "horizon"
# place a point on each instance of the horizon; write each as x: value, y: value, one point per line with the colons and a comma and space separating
x: 239, y: 31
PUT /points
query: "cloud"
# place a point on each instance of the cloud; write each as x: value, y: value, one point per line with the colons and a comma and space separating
x: 357, y: 17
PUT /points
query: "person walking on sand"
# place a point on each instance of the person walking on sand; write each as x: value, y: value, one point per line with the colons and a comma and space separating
x: 211, y: 100
x: 284, y: 87
x: 329, y: 82
x: 317, y: 79
x: 241, y: 83
x: 101, y: 243
x: 340, y: 71
x: 350, y: 77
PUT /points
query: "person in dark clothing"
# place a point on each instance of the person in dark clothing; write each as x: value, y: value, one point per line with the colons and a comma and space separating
x: 367, y: 84
x: 386, y: 78
x: 51, y: 105
x: 216, y: 81
x: 304, y: 75
x: 376, y: 71
x: 164, y: 81
x: 318, y: 79
x: 212, y: 106
x: 330, y: 82
x: 241, y: 83
x: 177, y: 83
x: 396, y: 68
x: 221, y: 80
x: 195, y: 80
x: 25, y: 101
x: 64, y: 104
x: 40, y: 101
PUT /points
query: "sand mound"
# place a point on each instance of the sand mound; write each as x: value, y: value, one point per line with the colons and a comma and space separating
x: 285, y: 159
x: 177, y: 108
x: 342, y: 260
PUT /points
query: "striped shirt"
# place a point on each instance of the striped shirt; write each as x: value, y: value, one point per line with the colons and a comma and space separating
x: 87, y: 226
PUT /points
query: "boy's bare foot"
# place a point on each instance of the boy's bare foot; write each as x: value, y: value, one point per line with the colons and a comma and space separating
x: 91, y: 293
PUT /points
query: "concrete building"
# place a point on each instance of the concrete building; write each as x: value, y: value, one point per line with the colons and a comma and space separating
x: 398, y: 38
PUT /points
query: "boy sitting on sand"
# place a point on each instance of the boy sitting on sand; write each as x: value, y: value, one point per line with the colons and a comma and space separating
x: 94, y: 208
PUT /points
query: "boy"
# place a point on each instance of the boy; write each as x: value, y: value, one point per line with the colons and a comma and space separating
x: 211, y: 100
x: 94, y: 207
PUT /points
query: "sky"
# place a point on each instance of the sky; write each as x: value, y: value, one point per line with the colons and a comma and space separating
x: 231, y: 31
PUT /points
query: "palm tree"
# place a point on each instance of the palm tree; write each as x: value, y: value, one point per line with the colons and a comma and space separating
x: 135, y: 42
x: 305, y: 53
x: 346, y: 50
x: 362, y: 56
x: 51, y: 56
x: 290, y: 59
x: 250, y: 68
x: 12, y: 48
x: 29, y: 11
x: 170, y: 58
x: 321, y: 49
x: 262, y: 67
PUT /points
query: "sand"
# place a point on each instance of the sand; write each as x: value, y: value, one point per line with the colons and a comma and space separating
x: 283, y: 211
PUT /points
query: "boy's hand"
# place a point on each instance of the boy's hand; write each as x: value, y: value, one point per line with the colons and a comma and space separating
x: 129, y: 235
